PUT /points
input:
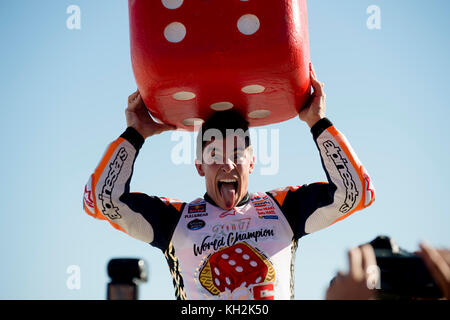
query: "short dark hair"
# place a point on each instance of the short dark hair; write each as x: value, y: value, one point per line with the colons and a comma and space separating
x: 225, y: 122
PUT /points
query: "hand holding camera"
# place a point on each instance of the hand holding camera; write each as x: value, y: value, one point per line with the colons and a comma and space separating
x: 383, y: 270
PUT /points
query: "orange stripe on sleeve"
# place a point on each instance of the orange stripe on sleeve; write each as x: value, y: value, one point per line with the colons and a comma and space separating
x: 281, y: 193
x: 177, y: 204
x: 280, y: 196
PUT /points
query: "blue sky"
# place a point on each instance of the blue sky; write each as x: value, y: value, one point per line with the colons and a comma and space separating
x: 63, y: 95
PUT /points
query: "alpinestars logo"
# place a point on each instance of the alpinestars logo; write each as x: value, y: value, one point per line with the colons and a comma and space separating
x: 105, y: 196
x: 88, y: 197
x: 334, y: 153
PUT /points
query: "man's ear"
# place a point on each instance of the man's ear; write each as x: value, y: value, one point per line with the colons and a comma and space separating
x: 199, y: 167
x: 252, y: 164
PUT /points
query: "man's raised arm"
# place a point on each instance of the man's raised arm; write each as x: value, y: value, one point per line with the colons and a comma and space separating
x: 312, y: 207
x: 107, y: 194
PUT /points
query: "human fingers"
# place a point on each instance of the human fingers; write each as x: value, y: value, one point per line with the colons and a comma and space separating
x: 368, y: 256
x: 436, y: 256
x: 317, y: 85
x: 313, y: 71
x: 133, y: 96
x: 355, y: 264
x: 445, y: 253
x: 370, y: 266
x: 138, y: 105
x: 437, y: 266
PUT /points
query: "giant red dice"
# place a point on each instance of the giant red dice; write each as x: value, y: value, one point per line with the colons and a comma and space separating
x: 192, y: 58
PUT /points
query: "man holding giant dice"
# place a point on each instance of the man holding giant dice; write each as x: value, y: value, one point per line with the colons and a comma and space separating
x: 230, y: 243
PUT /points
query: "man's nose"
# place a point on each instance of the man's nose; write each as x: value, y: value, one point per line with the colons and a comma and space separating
x: 228, y: 165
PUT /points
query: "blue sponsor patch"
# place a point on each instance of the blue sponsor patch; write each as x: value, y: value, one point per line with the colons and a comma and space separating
x: 269, y: 217
x: 196, y: 224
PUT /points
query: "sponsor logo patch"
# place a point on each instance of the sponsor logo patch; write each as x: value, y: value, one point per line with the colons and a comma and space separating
x: 267, y: 213
x: 231, y: 212
x: 197, y: 208
x: 196, y: 224
x: 195, y: 215
x: 370, y: 191
x: 272, y: 217
x: 88, y: 198
x: 261, y: 203
x: 264, y: 207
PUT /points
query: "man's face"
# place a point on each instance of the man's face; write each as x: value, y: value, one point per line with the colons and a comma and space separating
x: 226, y: 167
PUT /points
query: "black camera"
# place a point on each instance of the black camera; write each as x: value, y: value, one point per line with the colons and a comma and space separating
x: 403, y: 275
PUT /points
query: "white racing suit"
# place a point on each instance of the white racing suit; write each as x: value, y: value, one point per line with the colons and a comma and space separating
x: 246, y: 252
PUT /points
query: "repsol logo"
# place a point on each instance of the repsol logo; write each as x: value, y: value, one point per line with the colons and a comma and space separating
x: 334, y: 153
x: 108, y: 208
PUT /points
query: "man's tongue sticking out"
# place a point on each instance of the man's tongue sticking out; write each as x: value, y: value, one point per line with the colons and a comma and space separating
x: 228, y: 193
